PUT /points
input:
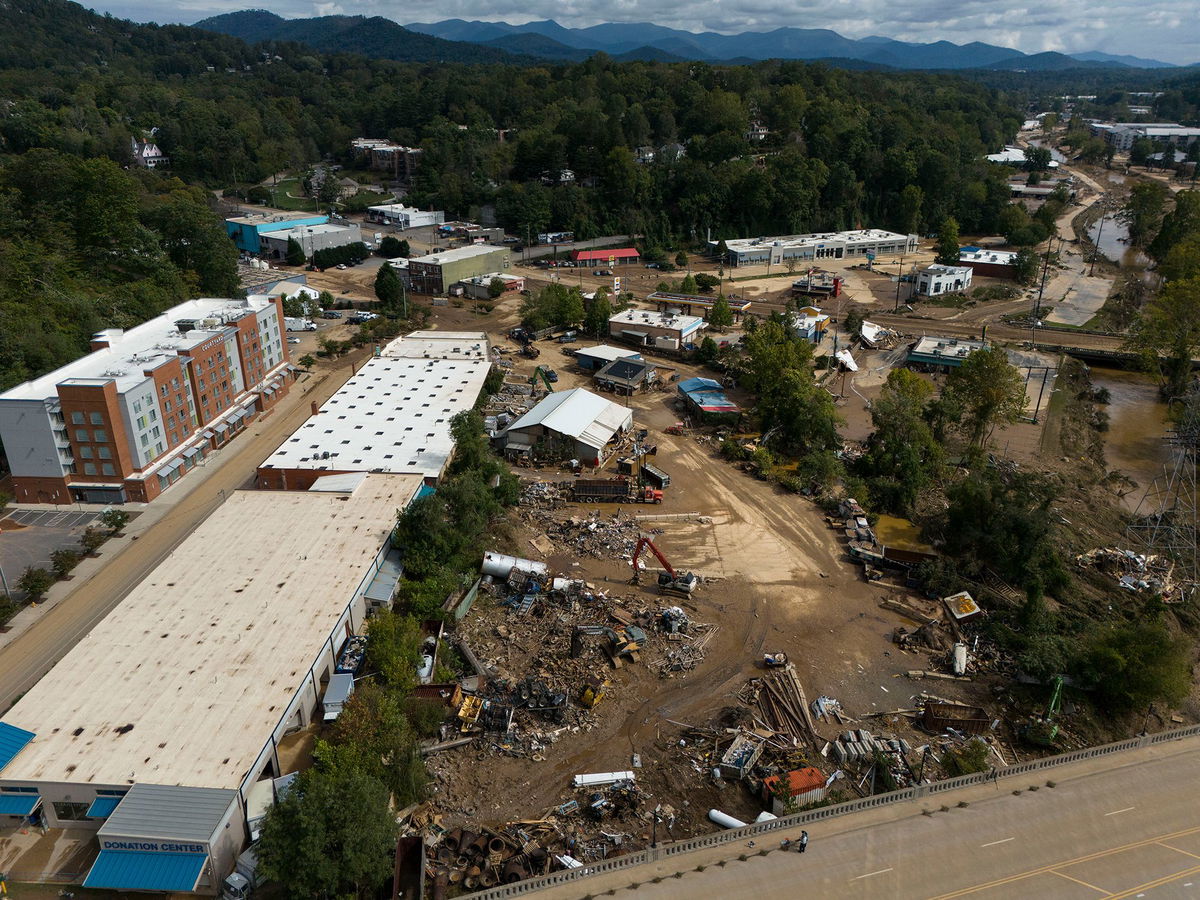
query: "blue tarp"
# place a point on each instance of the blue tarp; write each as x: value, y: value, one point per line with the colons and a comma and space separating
x: 12, y: 742
x: 18, y: 804
x: 689, y: 385
x: 134, y: 870
x: 426, y: 490
x: 102, y: 807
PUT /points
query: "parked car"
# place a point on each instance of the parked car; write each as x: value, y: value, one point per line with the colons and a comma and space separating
x: 604, y: 271
x: 331, y: 314
x: 293, y: 340
x: 340, y: 266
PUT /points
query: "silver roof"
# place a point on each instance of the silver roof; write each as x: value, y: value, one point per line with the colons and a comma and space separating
x: 169, y: 812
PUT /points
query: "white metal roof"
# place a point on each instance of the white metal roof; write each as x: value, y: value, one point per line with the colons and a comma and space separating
x: 393, y: 416
x: 169, y: 812
x: 606, y: 352
x: 580, y: 414
x: 184, y: 681
x: 859, y: 236
x: 941, y: 269
x: 459, y: 253
x: 655, y: 319
x: 146, y: 346
x: 986, y: 255
x: 954, y: 348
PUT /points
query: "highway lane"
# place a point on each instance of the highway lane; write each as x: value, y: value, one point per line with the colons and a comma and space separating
x: 35, y: 651
x: 1126, y: 825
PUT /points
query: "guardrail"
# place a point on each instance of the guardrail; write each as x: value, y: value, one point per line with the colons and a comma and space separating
x: 828, y: 812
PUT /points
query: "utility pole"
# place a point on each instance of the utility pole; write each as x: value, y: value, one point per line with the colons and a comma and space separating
x: 1096, y: 245
x: 899, y: 278
x: 1037, y: 313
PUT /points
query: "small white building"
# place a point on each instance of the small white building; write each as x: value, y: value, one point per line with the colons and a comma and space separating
x: 939, y: 279
x: 402, y: 216
x: 576, y: 424
x: 650, y: 328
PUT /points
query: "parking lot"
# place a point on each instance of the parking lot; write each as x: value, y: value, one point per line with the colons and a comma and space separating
x: 29, y: 536
x: 52, y: 518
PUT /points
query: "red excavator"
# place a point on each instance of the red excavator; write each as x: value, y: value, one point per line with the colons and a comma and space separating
x: 669, y: 581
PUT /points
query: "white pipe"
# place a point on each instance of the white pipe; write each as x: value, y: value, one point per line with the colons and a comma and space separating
x: 724, y: 819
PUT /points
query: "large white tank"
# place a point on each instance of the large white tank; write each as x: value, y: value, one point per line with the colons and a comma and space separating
x: 499, y: 565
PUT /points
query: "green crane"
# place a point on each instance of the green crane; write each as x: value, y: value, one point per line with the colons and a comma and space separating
x: 543, y: 373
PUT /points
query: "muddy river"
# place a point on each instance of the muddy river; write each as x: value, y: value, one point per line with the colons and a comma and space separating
x: 1137, y: 421
x: 1112, y: 239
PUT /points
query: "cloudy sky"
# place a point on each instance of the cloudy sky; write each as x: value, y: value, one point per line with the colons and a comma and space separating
x: 1160, y: 29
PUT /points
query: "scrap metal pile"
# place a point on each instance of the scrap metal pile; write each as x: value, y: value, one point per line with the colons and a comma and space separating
x: 1135, y: 572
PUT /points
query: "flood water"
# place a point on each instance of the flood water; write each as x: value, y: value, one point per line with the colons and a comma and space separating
x: 901, y: 533
x: 1137, y: 421
x: 1112, y: 241
x: 1054, y: 154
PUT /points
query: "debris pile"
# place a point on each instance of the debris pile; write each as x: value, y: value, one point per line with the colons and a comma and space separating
x: 1135, y: 572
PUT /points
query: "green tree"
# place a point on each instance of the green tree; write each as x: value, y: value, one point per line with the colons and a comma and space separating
x: 1178, y: 225
x: 1037, y: 159
x: 1166, y: 335
x: 295, y: 253
x: 947, y: 244
x: 854, y: 322
x: 1027, y: 264
x: 989, y: 390
x: 1182, y: 261
x: 63, y: 561
x: 92, y: 539
x: 902, y: 456
x: 707, y: 352
x: 1143, y: 211
x: 114, y: 519
x: 495, y: 287
x: 681, y: 259
x: 330, y: 834
x: 34, y: 582
x: 307, y: 361
x: 688, y: 285
x: 720, y: 316
x: 392, y: 247
x: 1133, y: 665
x: 1140, y: 150
x: 599, y: 311
x: 388, y: 288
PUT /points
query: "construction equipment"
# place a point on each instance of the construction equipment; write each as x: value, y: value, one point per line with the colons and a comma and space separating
x: 593, y: 692
x: 620, y: 643
x: 1043, y: 731
x: 529, y: 351
x: 548, y: 376
x: 669, y: 581
x: 775, y: 660
x: 676, y: 428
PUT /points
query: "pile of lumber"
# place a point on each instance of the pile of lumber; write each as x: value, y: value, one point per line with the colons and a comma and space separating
x: 784, y: 707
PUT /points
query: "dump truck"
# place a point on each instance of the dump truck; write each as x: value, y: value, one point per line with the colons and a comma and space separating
x: 611, y: 490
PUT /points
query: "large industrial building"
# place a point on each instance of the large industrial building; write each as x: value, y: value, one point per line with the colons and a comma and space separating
x: 1121, y: 135
x: 311, y: 238
x: 146, y: 406
x: 249, y: 233
x: 154, y: 731
x: 805, y: 247
x: 392, y: 416
x: 435, y: 273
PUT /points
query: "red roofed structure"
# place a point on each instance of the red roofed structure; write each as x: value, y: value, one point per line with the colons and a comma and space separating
x: 593, y: 258
x: 804, y: 786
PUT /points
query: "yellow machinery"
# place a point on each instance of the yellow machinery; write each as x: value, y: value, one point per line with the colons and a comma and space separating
x: 593, y: 692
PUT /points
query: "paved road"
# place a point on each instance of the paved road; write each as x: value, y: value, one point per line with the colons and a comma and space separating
x: 32, y: 654
x: 1126, y: 825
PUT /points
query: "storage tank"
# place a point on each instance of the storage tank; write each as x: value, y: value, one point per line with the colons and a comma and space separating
x: 498, y: 565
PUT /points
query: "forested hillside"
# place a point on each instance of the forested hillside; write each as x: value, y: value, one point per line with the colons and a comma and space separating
x: 846, y: 149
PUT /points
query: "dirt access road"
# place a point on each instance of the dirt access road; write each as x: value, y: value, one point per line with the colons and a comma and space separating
x: 780, y: 581
x: 31, y: 655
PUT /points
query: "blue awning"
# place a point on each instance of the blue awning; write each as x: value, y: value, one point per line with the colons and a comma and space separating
x: 135, y: 870
x: 12, y: 742
x: 102, y: 807
x: 18, y: 804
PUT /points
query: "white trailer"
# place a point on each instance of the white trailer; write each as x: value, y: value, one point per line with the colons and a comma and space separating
x: 337, y: 692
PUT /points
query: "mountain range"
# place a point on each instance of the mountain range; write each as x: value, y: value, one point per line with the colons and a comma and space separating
x: 459, y: 40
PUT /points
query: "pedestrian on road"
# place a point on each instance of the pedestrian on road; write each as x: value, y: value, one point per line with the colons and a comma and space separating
x: 803, y: 841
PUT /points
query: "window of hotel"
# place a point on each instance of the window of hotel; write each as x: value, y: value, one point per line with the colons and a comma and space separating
x: 97, y: 418
x: 107, y: 469
x: 145, y: 440
x: 81, y: 434
x: 89, y: 468
x: 99, y: 436
x: 76, y: 418
x: 85, y: 452
x: 167, y: 405
x: 104, y: 453
x: 141, y: 422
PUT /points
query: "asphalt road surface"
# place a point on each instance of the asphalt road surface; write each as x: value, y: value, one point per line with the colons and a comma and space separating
x: 1125, y: 825
x: 31, y: 655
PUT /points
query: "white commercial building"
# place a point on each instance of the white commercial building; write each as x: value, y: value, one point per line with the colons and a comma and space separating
x: 392, y: 416
x: 938, y: 279
x: 1013, y: 156
x: 402, y: 216
x: 155, y: 729
x: 829, y: 245
x: 311, y: 238
x: 576, y: 424
x: 1121, y: 135
x: 650, y: 328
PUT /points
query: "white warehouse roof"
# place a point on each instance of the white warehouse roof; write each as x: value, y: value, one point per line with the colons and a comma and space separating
x: 393, y: 416
x: 607, y: 352
x: 185, y: 680
x: 578, y: 413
